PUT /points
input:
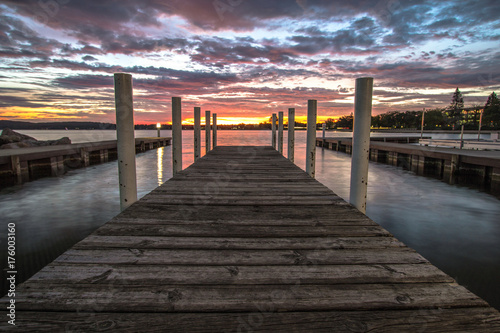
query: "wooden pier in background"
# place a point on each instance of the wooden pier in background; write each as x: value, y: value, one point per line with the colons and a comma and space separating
x: 243, y: 240
x: 480, y: 168
x: 21, y: 165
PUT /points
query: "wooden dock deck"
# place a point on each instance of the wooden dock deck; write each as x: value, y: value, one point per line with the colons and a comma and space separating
x: 243, y: 241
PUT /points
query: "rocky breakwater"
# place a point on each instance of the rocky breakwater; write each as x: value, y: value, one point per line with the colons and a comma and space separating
x: 10, y: 139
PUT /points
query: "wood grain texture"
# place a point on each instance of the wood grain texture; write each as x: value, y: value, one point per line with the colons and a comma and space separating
x: 245, y: 241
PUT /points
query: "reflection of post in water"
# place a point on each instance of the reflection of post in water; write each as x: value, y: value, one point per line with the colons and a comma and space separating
x: 159, y: 154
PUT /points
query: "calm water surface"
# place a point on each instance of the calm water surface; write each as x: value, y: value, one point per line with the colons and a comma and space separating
x: 456, y: 228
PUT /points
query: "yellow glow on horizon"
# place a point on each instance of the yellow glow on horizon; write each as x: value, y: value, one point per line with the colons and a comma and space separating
x: 20, y: 113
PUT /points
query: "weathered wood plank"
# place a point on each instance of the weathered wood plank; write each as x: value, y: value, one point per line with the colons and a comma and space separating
x: 236, y: 298
x: 141, y: 256
x: 221, y: 230
x: 157, y: 275
x: 429, y: 320
x: 275, y: 243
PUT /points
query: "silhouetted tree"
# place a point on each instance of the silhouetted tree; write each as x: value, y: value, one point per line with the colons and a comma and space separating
x: 491, y: 115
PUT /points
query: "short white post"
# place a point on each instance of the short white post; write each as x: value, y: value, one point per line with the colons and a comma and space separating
x: 291, y: 133
x: 207, y: 131
x: 214, y: 129
x: 197, y: 133
x: 361, y: 142
x: 422, y: 127
x: 176, y: 135
x: 126, y: 140
x: 273, y: 136
x: 280, y: 132
x: 312, y: 106
x: 158, y: 127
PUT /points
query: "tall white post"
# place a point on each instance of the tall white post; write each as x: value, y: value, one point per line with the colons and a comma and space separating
x: 312, y: 106
x: 273, y: 126
x: 126, y: 140
x: 361, y: 142
x: 197, y: 133
x: 280, y: 132
x: 207, y: 131
x: 214, y: 129
x: 422, y: 127
x: 291, y: 134
x: 176, y: 135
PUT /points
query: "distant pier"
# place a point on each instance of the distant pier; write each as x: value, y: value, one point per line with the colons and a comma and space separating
x: 243, y: 240
x: 480, y: 168
x: 21, y: 165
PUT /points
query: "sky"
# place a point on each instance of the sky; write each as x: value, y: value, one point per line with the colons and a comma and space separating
x: 242, y: 59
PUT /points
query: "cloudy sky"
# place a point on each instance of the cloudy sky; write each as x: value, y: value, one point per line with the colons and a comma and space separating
x: 243, y: 59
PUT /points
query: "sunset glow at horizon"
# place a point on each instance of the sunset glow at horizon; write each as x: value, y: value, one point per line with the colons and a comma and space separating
x: 243, y: 60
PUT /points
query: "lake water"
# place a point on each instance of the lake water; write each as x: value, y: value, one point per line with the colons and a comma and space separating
x: 456, y: 228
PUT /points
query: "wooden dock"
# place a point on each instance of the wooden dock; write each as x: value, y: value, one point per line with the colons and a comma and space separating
x: 479, y: 168
x: 21, y: 165
x: 243, y: 241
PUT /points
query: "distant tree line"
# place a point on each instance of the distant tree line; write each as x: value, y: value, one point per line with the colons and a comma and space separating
x: 450, y: 117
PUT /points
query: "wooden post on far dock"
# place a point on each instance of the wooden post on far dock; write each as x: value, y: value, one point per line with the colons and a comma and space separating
x: 176, y: 135
x: 323, y: 127
x: 422, y: 128
x: 361, y: 142
x: 312, y: 106
x: 273, y: 127
x: 207, y: 131
x: 480, y: 124
x: 125, y: 139
x: 291, y: 133
x: 197, y: 133
x: 462, y: 137
x: 280, y: 132
x: 214, y: 129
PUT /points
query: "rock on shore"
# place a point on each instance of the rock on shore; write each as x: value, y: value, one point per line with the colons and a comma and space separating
x: 11, y: 140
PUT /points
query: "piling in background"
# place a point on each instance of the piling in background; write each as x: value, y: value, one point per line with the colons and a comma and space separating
x: 207, y: 131
x: 197, y: 133
x: 422, y: 127
x: 462, y: 137
x: 273, y: 136
x: 280, y: 132
x: 312, y: 106
x: 291, y: 133
x: 176, y: 135
x: 361, y: 142
x: 214, y: 125
x: 323, y: 127
x: 480, y: 124
x: 125, y: 139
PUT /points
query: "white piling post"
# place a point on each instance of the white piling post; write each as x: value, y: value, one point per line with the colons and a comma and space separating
x: 422, y: 127
x: 176, y: 135
x: 273, y: 136
x: 312, y: 106
x: 197, y: 133
x: 291, y: 134
x: 361, y: 142
x: 323, y: 127
x: 480, y: 124
x: 280, y: 132
x: 207, y: 131
x: 462, y: 137
x: 214, y: 129
x: 158, y: 127
x: 126, y: 139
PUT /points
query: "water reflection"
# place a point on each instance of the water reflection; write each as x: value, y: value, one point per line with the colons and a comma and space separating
x: 159, y: 171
